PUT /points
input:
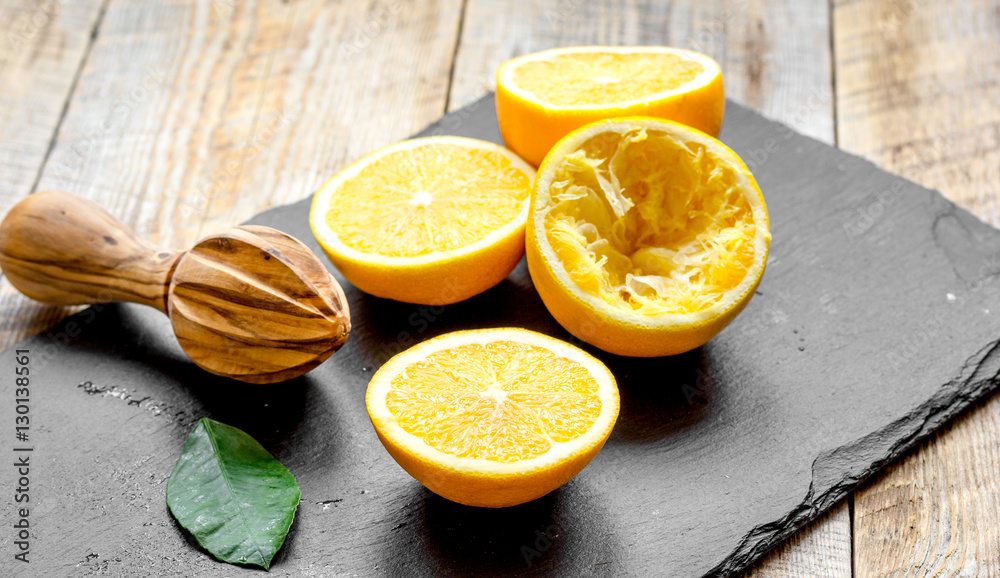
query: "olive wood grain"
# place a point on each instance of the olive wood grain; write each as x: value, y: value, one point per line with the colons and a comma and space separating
x: 256, y: 304
x: 62, y: 249
x: 250, y: 303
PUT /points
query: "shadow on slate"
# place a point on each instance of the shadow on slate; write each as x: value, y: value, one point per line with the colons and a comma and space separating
x: 877, y: 321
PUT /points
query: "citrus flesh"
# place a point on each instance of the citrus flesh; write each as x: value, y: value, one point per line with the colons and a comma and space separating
x: 431, y: 221
x: 493, y: 417
x: 599, y: 78
x: 544, y: 96
x: 646, y: 237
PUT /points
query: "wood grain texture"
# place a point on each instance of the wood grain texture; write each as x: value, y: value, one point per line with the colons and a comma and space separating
x: 42, y: 45
x: 255, y: 304
x: 773, y: 54
x: 751, y: 420
x: 823, y: 548
x: 192, y: 116
x: 63, y: 249
x: 250, y: 303
x: 937, y: 512
x: 774, y: 57
x: 918, y: 92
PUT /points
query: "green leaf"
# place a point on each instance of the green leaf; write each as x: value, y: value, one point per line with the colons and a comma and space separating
x: 232, y: 495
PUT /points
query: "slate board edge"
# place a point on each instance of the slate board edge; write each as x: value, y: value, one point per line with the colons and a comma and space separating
x: 887, y: 444
x: 980, y: 375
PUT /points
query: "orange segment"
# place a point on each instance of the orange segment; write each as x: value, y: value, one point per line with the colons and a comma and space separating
x: 502, y: 401
x: 493, y: 417
x: 434, y: 198
x: 646, y: 237
x: 430, y: 221
x: 590, y: 78
x: 544, y: 96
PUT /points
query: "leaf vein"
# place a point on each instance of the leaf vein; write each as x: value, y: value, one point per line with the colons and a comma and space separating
x: 232, y: 492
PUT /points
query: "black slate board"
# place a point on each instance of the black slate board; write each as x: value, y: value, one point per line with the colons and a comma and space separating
x: 877, y: 320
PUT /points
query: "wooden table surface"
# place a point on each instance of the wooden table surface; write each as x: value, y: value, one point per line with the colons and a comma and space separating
x: 184, y: 117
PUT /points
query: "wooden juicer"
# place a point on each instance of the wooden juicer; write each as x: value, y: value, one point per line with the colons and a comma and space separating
x: 250, y: 303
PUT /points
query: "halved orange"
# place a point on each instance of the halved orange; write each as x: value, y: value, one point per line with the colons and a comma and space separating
x: 646, y: 237
x: 430, y: 220
x: 493, y: 417
x: 544, y: 96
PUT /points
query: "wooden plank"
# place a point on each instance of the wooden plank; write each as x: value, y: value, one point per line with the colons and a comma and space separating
x: 822, y: 548
x: 769, y: 53
x: 192, y: 116
x: 937, y: 511
x: 918, y: 92
x: 771, y: 60
x: 42, y: 46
